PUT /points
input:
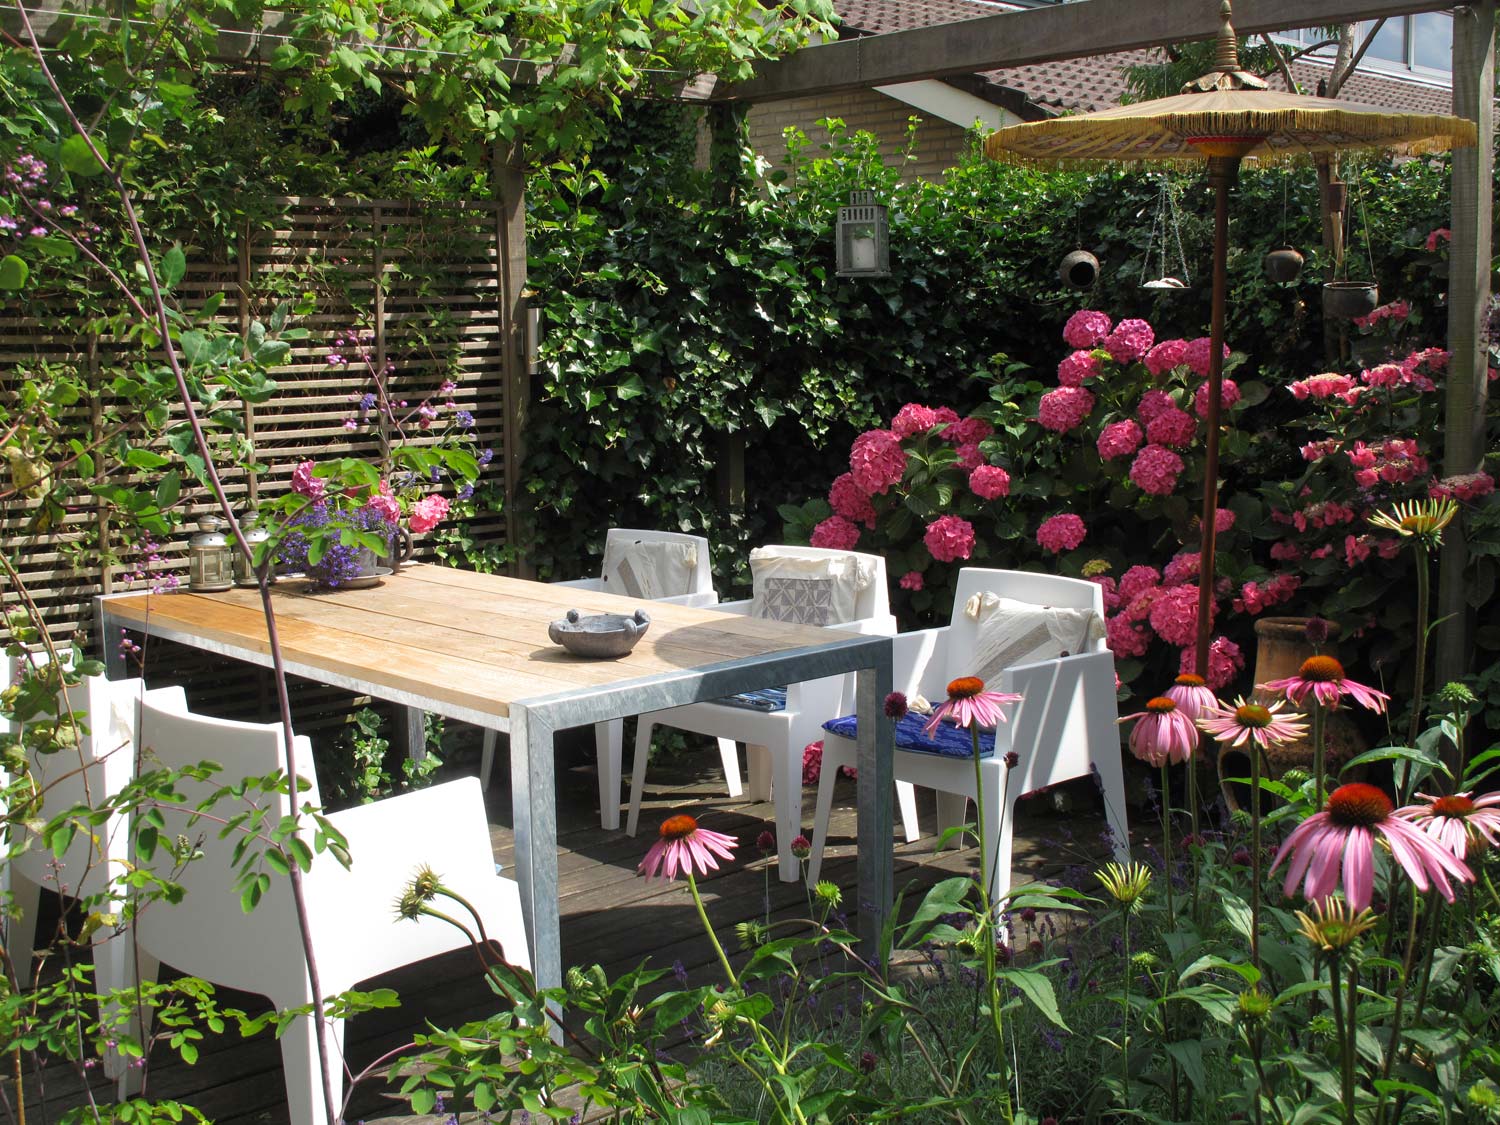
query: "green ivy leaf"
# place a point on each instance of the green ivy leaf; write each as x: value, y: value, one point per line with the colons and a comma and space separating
x: 78, y: 159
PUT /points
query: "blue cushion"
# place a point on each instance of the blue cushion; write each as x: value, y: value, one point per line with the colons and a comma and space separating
x: 766, y: 699
x: 948, y: 740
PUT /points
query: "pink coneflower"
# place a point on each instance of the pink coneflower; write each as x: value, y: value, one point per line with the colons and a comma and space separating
x: 1162, y: 733
x: 1252, y: 722
x: 968, y: 703
x: 1192, y: 696
x: 1336, y: 847
x: 1458, y: 823
x: 684, y: 846
x: 1322, y: 677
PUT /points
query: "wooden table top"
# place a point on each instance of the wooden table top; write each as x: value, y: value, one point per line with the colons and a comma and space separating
x: 477, y: 641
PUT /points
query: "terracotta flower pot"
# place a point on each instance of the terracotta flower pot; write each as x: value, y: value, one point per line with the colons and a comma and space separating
x: 1281, y: 647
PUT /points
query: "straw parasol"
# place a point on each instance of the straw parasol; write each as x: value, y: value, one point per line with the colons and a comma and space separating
x: 1223, y: 117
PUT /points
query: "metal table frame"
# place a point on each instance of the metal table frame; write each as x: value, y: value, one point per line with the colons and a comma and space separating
x: 533, y: 722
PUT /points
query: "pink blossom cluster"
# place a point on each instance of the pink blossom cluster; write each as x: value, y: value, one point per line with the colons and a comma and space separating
x: 1172, y: 427
x: 1174, y: 614
x: 1086, y: 328
x: 913, y: 419
x: 1463, y: 486
x: 1182, y: 568
x: 989, y: 482
x: 1392, y: 310
x: 428, y: 512
x: 911, y: 580
x: 1198, y: 354
x: 1317, y: 450
x: 384, y: 503
x: 1442, y: 234
x: 1111, y: 592
x: 836, y: 533
x: 1155, y: 470
x: 1119, y: 439
x: 1418, y: 369
x: 1064, y: 409
x: 1076, y: 367
x: 1225, y: 662
x: 967, y: 431
x: 1327, y: 513
x: 849, y: 500
x: 1061, y: 533
x: 1357, y: 548
x: 1130, y: 341
x: 1257, y: 597
x: 305, y: 484
x: 877, y: 461
x: 1229, y: 394
x: 949, y: 538
x: 1394, y: 461
x: 1165, y: 356
x: 1330, y: 384
x: 1153, y: 403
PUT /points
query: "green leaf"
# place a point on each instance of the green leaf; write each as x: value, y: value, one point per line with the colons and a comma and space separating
x: 631, y: 388
x: 1037, y: 988
x: 168, y: 490
x: 13, y: 272
x: 173, y: 266
x: 1189, y: 1056
x: 77, y: 159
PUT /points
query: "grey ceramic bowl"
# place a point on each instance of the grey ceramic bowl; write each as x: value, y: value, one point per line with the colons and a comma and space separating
x: 602, y: 635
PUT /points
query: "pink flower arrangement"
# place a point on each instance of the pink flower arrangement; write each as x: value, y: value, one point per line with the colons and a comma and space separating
x: 1076, y: 367
x: 305, y: 484
x: 913, y: 419
x: 1086, y: 329
x: 835, y: 533
x: 949, y: 538
x: 1225, y: 662
x: 1119, y: 439
x: 989, y: 482
x: 1229, y: 394
x: 1172, y: 427
x: 912, y: 580
x: 847, y: 499
x: 1061, y: 533
x: 1174, y: 615
x: 428, y: 512
x: 877, y: 461
x: 1463, y: 486
x: 1152, y: 404
x: 1155, y: 470
x: 1326, y: 385
x: 1130, y: 340
x: 1064, y: 409
x: 1165, y: 356
x: 1198, y: 353
x: 384, y: 503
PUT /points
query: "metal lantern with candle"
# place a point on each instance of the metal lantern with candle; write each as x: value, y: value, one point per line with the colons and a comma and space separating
x: 864, y: 242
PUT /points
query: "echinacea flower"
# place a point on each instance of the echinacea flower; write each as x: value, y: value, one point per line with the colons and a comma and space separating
x: 1162, y: 733
x: 1192, y: 696
x: 1322, y: 677
x: 968, y: 703
x: 1420, y: 519
x: 1253, y: 723
x: 1458, y: 823
x: 1126, y: 885
x: 683, y: 846
x: 1336, y: 847
x: 1334, y: 924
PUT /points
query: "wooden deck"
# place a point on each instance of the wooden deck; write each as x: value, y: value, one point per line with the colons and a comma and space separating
x: 609, y: 915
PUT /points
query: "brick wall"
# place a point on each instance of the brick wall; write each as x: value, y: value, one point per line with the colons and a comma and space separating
x: 938, y: 142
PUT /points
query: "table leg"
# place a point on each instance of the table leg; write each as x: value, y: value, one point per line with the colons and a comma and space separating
x: 410, y: 733
x: 875, y: 790
x: 534, y: 814
x: 107, y: 634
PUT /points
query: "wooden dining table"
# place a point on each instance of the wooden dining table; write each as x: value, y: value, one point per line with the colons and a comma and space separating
x: 474, y: 648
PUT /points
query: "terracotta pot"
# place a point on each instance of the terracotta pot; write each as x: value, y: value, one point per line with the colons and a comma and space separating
x: 1079, y: 270
x: 1283, y: 265
x: 1281, y: 647
x: 1345, y: 300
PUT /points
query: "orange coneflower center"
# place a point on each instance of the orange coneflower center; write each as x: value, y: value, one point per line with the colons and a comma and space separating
x: 965, y: 687
x: 676, y: 827
x: 1358, y: 805
x: 1459, y: 807
x: 1252, y: 715
x: 1187, y: 679
x: 1324, y: 669
x: 1161, y: 705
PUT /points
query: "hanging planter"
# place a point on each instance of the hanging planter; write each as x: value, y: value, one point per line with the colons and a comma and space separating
x: 1166, y: 232
x: 1079, y: 270
x: 1345, y: 300
x: 1283, y: 265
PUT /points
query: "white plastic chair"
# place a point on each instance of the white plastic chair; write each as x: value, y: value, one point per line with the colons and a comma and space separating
x: 355, y: 932
x: 775, y: 739
x: 698, y: 590
x: 1064, y: 728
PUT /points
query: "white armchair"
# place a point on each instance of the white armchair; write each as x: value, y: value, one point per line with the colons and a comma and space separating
x: 663, y: 566
x: 355, y: 930
x: 1065, y: 726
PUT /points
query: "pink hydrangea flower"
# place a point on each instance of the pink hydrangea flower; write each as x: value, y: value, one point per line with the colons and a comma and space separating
x: 1385, y: 375
x: 384, y: 503
x: 428, y: 512
x: 1182, y: 568
x: 1286, y: 551
x: 967, y: 431
x: 1119, y: 439
x: 836, y: 533
x: 1155, y: 470
x: 970, y: 456
x: 1198, y: 353
x: 989, y: 482
x: 1317, y: 450
x: 1152, y: 403
x: 945, y: 415
x: 1111, y: 593
x: 1076, y: 367
x: 1223, y: 520
x: 1064, y: 409
x: 1126, y: 637
x: 1442, y: 234
x: 812, y: 762
x: 1130, y: 340
x: 847, y: 499
x: 1085, y: 329
x: 1174, y: 615
x: 949, y: 538
x: 1356, y: 550
x: 1136, y: 581
x: 305, y: 484
x: 1463, y: 486
x: 1172, y: 427
x: 877, y: 461
x: 1225, y: 662
x: 1229, y: 394
x: 913, y: 419
x: 1061, y: 533
x: 1326, y: 385
x: 1165, y: 356
x: 911, y: 580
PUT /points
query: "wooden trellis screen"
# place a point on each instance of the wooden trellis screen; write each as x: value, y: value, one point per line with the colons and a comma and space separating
x: 422, y: 280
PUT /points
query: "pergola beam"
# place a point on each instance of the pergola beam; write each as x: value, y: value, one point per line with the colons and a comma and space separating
x: 1035, y: 35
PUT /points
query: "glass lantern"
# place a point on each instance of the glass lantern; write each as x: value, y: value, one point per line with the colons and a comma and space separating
x: 210, y: 557
x: 863, y: 235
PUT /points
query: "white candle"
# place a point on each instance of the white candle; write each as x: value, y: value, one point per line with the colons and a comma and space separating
x: 862, y: 252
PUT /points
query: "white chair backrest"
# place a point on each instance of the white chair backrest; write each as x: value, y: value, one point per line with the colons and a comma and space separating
x: 690, y: 573
x: 867, y: 572
x: 1018, y: 585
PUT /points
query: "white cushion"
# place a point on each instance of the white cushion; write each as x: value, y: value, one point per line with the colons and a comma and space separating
x: 648, y: 568
x: 1009, y: 633
x: 808, y: 590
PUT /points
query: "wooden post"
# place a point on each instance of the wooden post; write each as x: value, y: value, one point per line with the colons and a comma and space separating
x: 1468, y: 305
x: 515, y: 381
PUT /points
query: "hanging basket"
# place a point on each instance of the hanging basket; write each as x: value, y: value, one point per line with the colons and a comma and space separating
x: 1079, y: 270
x: 1283, y: 265
x: 1345, y: 300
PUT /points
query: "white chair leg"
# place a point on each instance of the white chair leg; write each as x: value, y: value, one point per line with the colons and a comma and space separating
x: 644, y: 727
x: 487, y: 760
x: 131, y: 1078
x: 758, y: 759
x: 303, y: 1069
x: 1112, y: 784
x: 608, y: 745
x: 906, y: 798
x: 822, y: 813
x: 112, y: 974
x: 21, y: 932
x: 729, y: 754
x: 952, y: 811
x: 788, y: 792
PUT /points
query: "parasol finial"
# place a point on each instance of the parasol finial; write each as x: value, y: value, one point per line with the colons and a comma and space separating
x: 1226, y: 74
x: 1227, y: 46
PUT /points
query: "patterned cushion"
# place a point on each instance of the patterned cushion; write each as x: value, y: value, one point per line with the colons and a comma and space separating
x: 806, y: 589
x: 767, y: 700
x: 947, y: 741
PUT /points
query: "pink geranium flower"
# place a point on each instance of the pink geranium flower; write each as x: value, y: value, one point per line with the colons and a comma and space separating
x: 1322, y: 678
x: 1458, y: 823
x: 968, y: 704
x: 835, y: 533
x: 428, y: 512
x: 1061, y: 533
x: 949, y: 538
x: 683, y: 846
x: 305, y: 484
x: 911, y: 580
x: 1085, y: 329
x: 1162, y: 734
x: 1336, y: 848
x: 989, y: 482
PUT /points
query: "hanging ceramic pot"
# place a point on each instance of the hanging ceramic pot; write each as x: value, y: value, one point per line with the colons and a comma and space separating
x: 1079, y: 270
x: 1345, y: 300
x: 1283, y: 265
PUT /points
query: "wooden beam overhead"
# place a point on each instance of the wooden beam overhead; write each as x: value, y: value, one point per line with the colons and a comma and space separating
x: 1036, y: 35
